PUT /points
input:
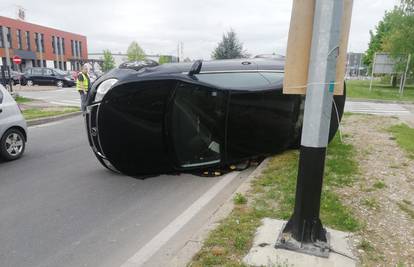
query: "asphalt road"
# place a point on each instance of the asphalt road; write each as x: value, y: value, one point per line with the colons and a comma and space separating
x: 60, y: 207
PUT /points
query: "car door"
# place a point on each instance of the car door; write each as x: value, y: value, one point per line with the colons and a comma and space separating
x: 49, y: 76
x: 36, y: 76
x: 197, y: 125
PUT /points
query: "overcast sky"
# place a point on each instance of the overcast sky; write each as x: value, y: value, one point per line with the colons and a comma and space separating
x: 159, y: 25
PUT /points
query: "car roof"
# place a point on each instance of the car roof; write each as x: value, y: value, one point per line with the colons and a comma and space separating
x: 245, y: 64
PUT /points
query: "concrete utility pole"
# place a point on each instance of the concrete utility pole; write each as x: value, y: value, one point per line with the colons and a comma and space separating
x: 304, y: 231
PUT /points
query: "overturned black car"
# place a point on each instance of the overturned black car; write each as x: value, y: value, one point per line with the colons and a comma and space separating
x: 187, y: 117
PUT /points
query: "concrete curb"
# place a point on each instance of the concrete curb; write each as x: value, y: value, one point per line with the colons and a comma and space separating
x: 52, y: 118
x: 194, y: 244
x: 380, y: 101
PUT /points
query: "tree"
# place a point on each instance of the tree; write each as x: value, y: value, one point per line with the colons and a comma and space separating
x: 399, y: 42
x: 135, y: 52
x: 108, y: 61
x: 229, y: 47
x: 377, y: 38
x: 165, y: 59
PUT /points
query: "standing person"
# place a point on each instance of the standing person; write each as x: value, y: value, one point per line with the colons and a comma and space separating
x: 82, y: 85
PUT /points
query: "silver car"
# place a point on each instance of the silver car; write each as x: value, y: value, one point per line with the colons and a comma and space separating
x: 13, y: 128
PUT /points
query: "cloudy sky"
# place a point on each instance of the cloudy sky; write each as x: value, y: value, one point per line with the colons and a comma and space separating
x: 159, y: 25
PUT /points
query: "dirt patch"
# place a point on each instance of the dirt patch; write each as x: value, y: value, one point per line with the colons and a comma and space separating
x: 383, y: 194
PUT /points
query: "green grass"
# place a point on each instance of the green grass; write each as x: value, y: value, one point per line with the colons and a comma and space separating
x: 273, y: 195
x: 36, y: 113
x: 404, y: 136
x: 239, y: 199
x: 21, y: 99
x: 404, y: 206
x: 379, y: 185
x: 360, y: 89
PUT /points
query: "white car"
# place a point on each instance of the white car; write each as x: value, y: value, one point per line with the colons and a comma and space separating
x: 13, y: 127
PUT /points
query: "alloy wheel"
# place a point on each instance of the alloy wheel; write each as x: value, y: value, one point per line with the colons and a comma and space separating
x: 14, y: 144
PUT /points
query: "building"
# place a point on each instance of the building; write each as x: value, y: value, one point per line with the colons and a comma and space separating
x: 354, y: 65
x: 40, y: 46
x: 119, y: 58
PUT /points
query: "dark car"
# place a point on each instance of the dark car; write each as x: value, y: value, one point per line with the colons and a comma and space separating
x: 47, y: 76
x: 193, y: 117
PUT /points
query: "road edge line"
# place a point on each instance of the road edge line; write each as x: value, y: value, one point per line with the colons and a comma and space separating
x: 185, y: 254
x: 154, y: 245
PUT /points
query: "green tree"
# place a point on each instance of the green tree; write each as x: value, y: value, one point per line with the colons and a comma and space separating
x: 399, y: 41
x: 108, y: 61
x: 165, y: 59
x: 135, y: 52
x: 377, y: 38
x: 229, y: 47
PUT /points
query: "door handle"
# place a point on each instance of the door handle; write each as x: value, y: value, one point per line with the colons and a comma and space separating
x: 1, y: 110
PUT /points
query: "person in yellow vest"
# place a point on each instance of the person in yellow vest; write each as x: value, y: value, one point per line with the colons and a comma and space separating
x: 82, y: 85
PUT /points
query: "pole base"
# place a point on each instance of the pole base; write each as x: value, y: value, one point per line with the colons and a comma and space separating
x: 318, y: 248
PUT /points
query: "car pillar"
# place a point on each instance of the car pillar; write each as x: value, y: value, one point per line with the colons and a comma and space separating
x: 304, y: 231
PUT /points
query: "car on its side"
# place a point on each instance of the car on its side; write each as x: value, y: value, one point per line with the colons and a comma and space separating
x: 13, y: 128
x: 47, y: 76
x: 192, y: 117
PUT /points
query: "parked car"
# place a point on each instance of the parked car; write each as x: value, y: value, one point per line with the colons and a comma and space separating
x: 187, y: 117
x: 16, y: 77
x: 13, y: 129
x: 47, y: 76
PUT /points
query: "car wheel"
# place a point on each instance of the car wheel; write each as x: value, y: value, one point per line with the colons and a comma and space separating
x: 29, y: 83
x: 12, y: 145
x: 59, y: 84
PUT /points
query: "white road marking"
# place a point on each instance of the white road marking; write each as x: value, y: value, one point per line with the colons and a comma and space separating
x: 45, y: 125
x: 147, y: 251
x: 376, y: 108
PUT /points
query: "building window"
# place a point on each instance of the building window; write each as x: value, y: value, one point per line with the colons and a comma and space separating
x: 63, y: 45
x: 58, y: 45
x: 19, y: 39
x: 1, y: 37
x: 80, y: 49
x: 72, y: 48
x: 28, y: 41
x: 9, y: 39
x: 36, y: 38
x: 53, y: 45
x: 42, y: 43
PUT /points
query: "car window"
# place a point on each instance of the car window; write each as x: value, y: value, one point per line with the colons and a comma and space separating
x: 48, y: 72
x: 197, y: 130
x: 29, y: 71
x: 61, y: 72
x: 37, y: 72
x: 273, y: 77
x: 1, y: 96
x: 234, y: 80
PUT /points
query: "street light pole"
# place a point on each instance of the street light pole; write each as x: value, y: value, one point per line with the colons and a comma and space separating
x: 304, y: 231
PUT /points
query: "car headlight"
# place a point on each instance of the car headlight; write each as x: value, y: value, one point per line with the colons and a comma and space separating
x: 68, y: 79
x: 103, y: 88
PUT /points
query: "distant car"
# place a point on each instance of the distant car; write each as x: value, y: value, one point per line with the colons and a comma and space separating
x: 16, y: 77
x: 47, y: 76
x: 13, y: 128
x: 191, y: 117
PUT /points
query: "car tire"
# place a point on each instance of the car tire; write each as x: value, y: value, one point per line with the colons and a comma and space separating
x: 29, y: 83
x: 12, y: 144
x: 60, y: 84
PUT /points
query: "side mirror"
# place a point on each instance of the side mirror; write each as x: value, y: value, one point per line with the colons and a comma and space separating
x: 195, y: 68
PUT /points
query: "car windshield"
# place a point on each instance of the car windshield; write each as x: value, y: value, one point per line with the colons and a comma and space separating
x: 235, y: 80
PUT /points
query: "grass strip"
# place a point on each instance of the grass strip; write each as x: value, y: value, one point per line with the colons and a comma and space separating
x: 360, y: 89
x: 404, y: 136
x: 273, y: 195
x: 21, y: 99
x: 36, y: 113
